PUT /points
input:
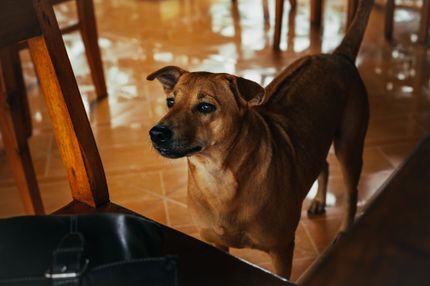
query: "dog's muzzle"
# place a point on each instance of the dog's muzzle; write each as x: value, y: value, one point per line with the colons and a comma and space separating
x: 162, y: 140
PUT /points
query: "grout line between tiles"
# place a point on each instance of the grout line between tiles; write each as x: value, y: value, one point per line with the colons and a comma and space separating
x: 184, y: 225
x: 163, y: 187
x: 386, y: 157
x: 49, y: 156
x: 163, y: 198
x: 166, y: 210
x: 310, y: 238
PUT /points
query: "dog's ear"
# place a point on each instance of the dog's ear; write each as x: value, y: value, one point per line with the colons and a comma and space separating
x: 246, y: 92
x: 168, y: 76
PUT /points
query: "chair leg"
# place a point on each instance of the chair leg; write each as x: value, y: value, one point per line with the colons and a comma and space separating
x: 69, y: 120
x: 21, y: 92
x: 14, y: 131
x: 279, y: 13
x: 88, y: 27
x: 389, y: 20
x: 352, y: 8
x: 316, y: 12
x: 423, y: 34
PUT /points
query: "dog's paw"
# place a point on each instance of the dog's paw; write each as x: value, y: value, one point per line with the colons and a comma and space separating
x: 316, y: 208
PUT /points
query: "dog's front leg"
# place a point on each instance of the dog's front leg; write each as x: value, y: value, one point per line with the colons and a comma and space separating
x: 212, y: 238
x: 282, y: 260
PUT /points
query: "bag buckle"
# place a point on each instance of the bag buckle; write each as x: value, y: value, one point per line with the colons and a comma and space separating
x: 67, y: 259
x: 66, y: 275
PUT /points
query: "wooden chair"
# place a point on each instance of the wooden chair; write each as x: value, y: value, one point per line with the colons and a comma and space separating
x: 87, y: 26
x: 316, y: 7
x: 33, y: 21
x: 24, y: 172
x: 14, y: 128
x: 423, y: 33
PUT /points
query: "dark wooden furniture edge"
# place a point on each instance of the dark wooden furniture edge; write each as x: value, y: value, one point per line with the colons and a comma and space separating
x: 390, y: 242
x: 199, y: 263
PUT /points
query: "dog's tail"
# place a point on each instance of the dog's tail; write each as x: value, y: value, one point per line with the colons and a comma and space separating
x: 350, y: 44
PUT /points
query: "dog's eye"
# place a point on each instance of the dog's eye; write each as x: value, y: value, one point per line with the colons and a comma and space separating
x: 206, y: 107
x: 170, y: 101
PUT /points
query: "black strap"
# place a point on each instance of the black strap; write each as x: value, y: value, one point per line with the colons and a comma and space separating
x: 68, y: 263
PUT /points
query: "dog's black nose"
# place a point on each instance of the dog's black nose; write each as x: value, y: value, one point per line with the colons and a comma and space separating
x: 160, y: 134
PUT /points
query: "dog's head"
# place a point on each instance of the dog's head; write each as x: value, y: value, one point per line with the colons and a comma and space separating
x: 204, y: 109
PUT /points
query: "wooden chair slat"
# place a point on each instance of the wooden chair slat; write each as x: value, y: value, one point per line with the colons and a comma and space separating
x: 70, y: 123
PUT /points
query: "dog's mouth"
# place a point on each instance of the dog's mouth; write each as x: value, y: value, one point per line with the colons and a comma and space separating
x: 173, y: 154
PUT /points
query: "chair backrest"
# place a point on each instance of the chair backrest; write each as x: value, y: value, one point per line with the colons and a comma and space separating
x: 34, y: 21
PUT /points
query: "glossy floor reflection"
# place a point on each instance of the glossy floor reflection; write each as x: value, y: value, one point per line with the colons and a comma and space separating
x: 138, y: 37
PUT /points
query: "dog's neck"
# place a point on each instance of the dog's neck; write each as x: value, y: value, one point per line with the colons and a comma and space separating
x: 248, y: 153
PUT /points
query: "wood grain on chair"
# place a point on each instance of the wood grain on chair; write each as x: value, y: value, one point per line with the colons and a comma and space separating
x: 20, y: 126
x: 70, y: 124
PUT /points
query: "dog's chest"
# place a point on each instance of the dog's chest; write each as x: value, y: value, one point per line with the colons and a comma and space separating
x: 213, y: 203
x: 211, y: 187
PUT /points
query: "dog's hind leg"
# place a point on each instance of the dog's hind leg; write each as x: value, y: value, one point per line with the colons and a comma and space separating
x: 317, y: 206
x: 348, y: 145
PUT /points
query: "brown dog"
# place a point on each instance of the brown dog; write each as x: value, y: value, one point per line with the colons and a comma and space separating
x: 253, y: 152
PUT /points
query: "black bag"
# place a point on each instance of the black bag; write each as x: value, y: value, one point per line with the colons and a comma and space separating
x: 85, y: 250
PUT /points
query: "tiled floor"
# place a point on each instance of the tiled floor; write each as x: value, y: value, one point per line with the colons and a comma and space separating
x: 138, y: 37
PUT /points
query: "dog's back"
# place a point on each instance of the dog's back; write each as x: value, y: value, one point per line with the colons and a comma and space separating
x: 310, y: 96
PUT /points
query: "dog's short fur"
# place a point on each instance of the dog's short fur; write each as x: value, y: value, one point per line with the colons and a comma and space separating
x: 253, y: 152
